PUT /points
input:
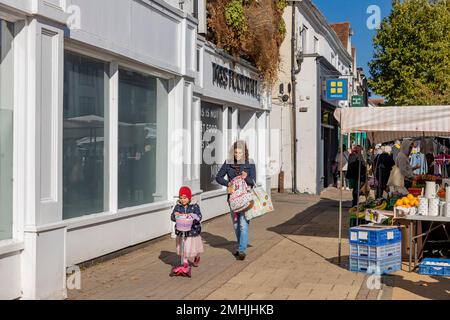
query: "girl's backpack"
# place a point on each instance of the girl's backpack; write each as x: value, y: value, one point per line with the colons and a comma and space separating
x: 240, y: 199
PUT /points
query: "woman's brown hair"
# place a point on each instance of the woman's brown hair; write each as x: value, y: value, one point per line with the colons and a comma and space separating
x: 239, y: 145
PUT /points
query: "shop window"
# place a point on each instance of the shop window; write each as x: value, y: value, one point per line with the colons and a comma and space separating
x: 316, y: 45
x: 197, y: 60
x: 85, y: 155
x: 212, y: 145
x: 304, y: 34
x: 143, y: 102
x: 6, y: 129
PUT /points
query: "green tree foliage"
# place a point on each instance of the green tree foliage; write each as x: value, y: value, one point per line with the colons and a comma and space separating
x: 411, y: 65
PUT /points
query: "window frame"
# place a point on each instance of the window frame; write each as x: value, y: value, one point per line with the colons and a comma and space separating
x: 13, y: 214
x: 106, y: 133
x: 115, y: 64
x: 126, y: 67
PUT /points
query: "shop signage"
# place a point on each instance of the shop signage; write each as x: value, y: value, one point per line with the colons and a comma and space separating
x: 357, y: 101
x: 231, y: 80
x: 337, y: 89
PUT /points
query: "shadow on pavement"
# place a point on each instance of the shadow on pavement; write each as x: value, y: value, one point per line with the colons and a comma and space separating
x: 170, y: 258
x: 319, y: 220
x: 439, y: 290
x: 216, y: 241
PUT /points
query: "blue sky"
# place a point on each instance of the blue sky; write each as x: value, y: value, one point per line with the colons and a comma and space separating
x: 355, y: 11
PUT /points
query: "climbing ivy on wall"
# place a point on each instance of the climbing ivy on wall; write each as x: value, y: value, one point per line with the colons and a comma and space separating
x: 251, y: 29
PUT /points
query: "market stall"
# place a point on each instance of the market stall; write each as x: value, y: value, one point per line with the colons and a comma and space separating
x: 384, y: 124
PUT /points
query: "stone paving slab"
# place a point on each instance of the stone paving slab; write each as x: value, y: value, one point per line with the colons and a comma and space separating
x: 293, y: 256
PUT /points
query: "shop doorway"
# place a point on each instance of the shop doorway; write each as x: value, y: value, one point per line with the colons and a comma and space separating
x: 330, y: 146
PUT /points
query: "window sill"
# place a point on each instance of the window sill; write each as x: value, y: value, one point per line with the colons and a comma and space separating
x: 101, y: 218
x: 10, y: 246
x: 214, y: 194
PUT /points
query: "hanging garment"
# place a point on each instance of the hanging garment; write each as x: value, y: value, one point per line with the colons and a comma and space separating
x: 418, y: 159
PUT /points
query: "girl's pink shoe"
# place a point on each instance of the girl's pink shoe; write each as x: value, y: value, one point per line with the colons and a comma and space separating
x: 196, y: 262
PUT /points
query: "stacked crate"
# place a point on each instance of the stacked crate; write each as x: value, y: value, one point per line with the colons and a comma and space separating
x: 375, y: 249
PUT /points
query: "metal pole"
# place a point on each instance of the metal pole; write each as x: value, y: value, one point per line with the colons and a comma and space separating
x: 358, y: 185
x: 341, y: 177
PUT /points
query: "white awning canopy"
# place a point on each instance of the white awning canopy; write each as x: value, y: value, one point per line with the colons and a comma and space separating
x: 384, y: 124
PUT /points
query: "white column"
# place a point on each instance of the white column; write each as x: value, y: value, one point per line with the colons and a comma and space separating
x: 43, y: 259
x: 113, y: 139
x: 174, y: 146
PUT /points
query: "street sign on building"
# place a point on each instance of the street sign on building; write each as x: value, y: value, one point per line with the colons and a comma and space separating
x: 337, y: 89
x: 358, y: 101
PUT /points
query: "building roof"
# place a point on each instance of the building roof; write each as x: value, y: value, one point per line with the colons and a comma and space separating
x: 342, y: 30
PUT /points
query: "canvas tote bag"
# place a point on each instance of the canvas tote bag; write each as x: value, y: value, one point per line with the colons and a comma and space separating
x: 396, y: 179
x: 262, y: 203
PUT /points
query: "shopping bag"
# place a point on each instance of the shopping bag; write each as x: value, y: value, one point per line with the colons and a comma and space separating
x: 262, y: 204
x: 396, y: 178
x: 240, y: 198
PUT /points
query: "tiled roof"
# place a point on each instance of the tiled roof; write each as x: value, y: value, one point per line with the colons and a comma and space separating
x: 342, y: 30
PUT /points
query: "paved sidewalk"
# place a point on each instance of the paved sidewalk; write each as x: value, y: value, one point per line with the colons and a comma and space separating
x: 292, y: 256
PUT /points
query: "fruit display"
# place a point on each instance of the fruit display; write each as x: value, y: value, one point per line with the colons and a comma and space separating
x: 408, y: 202
x: 360, y: 211
x: 391, y: 202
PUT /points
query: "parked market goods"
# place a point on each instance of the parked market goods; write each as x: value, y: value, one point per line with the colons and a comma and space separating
x: 408, y: 202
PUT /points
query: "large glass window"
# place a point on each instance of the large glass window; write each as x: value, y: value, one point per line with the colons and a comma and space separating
x: 212, y: 128
x: 143, y: 102
x: 85, y: 149
x: 6, y: 129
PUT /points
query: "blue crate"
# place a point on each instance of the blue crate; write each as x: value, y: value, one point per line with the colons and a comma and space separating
x: 375, y: 235
x: 385, y: 266
x: 376, y: 252
x: 435, y: 267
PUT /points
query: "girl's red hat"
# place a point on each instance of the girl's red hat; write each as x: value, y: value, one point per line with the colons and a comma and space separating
x: 186, y: 191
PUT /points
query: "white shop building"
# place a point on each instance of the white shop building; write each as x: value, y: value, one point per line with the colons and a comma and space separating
x: 320, y: 56
x: 90, y: 140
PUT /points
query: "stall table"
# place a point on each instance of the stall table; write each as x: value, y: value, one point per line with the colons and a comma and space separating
x: 440, y: 221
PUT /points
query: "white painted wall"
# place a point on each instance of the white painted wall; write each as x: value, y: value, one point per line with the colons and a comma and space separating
x: 10, y: 276
x: 309, y: 149
x: 152, y: 37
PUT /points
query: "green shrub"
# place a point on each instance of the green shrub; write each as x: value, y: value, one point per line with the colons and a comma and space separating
x: 235, y: 17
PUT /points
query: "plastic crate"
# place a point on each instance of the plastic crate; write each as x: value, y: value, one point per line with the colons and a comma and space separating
x: 435, y: 267
x: 384, y: 266
x: 375, y: 235
x: 376, y: 252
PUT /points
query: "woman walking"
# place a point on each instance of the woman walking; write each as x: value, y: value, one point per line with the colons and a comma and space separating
x: 239, y: 164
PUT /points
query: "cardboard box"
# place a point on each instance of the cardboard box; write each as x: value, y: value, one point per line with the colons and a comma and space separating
x: 405, y: 228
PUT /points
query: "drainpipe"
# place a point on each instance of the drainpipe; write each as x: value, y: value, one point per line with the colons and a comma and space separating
x: 294, y: 72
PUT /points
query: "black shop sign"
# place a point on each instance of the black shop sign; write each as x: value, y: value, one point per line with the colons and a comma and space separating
x: 230, y: 80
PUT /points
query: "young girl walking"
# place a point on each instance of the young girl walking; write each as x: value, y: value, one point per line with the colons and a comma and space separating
x: 193, y: 246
